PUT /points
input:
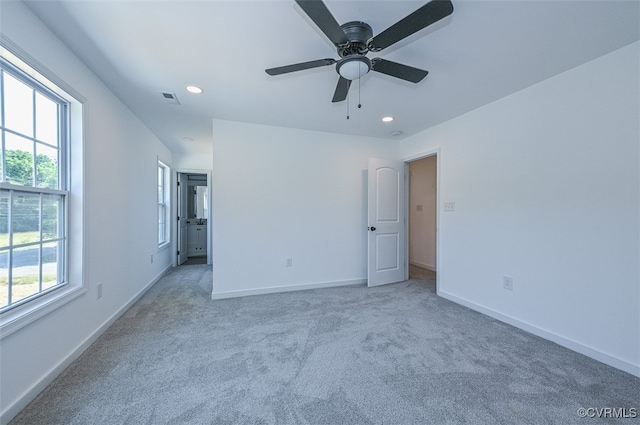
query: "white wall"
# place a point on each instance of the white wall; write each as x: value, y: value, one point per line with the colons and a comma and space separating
x: 200, y: 161
x: 120, y: 220
x: 282, y: 193
x: 422, y: 212
x: 546, y: 186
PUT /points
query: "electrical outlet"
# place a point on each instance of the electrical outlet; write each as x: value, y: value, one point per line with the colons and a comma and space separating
x: 507, y: 282
x: 289, y: 262
x: 151, y: 258
x: 99, y: 291
x: 450, y: 206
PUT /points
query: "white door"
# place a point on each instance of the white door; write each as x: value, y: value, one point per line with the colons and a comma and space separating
x: 183, y: 196
x: 386, y: 222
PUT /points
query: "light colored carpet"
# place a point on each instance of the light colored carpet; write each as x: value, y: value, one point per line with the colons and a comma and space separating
x: 395, y: 354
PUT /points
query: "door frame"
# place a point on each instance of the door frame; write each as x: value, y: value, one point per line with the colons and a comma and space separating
x: 426, y: 154
x: 174, y: 226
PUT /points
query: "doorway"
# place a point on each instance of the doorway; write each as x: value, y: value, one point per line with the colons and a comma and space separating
x: 193, y: 212
x: 423, y: 218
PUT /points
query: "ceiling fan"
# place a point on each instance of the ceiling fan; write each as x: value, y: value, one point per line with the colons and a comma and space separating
x: 355, y: 39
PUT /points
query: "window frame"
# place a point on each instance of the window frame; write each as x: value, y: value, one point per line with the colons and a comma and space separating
x: 164, y: 203
x: 71, y: 164
x: 15, y: 190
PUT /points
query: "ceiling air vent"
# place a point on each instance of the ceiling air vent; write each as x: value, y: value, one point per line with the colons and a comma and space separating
x: 170, y: 98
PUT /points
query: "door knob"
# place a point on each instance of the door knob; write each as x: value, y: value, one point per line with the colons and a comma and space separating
x: 372, y: 228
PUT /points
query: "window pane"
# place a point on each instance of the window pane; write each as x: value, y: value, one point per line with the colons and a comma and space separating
x: 46, y: 167
x: 162, y: 223
x: 4, y: 218
x: 25, y: 218
x: 19, y: 160
x: 4, y: 277
x: 18, y: 104
x: 50, y: 268
x: 46, y: 120
x: 51, y: 211
x: 1, y: 160
x: 161, y: 173
x: 2, y: 77
x: 25, y: 272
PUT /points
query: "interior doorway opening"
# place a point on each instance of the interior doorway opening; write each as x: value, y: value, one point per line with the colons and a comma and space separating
x: 193, y: 214
x: 422, y: 218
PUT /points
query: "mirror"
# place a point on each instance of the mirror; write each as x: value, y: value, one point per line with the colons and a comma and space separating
x: 197, y: 196
x: 201, y: 202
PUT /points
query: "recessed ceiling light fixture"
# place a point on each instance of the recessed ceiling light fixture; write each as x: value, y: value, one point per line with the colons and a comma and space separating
x: 387, y: 119
x: 194, y: 89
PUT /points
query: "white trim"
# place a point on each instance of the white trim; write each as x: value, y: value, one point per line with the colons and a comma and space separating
x: 30, y: 394
x: 19, y: 317
x: 279, y: 289
x: 550, y: 336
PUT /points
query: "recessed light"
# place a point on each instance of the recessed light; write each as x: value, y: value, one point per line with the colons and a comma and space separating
x: 387, y: 119
x: 194, y: 89
x: 396, y: 133
x: 187, y: 139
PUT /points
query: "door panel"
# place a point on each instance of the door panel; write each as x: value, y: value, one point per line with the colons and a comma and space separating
x: 386, y: 222
x: 387, y: 252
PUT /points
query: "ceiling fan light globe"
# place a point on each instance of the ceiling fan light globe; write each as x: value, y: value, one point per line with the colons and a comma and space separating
x: 354, y: 67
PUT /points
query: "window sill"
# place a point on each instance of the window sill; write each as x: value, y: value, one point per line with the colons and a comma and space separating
x: 19, y: 317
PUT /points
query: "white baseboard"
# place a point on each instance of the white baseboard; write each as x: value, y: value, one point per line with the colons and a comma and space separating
x: 550, y: 336
x: 277, y: 289
x: 26, y: 398
x: 423, y: 265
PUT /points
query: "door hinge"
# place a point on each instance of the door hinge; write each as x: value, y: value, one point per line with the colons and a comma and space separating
x: 178, y: 183
x: 178, y: 218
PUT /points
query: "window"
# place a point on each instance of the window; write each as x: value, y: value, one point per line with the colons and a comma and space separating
x: 33, y: 188
x: 163, y: 204
x: 41, y: 191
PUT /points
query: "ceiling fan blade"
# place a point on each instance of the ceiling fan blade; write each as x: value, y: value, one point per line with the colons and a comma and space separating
x: 428, y: 14
x: 299, y: 66
x: 320, y: 15
x: 398, y: 70
x: 342, y: 89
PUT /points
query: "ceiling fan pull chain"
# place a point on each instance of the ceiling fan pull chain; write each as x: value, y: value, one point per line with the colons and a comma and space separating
x: 347, y: 104
x: 359, y: 104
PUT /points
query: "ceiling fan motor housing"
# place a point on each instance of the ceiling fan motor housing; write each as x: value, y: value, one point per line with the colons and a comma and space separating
x: 358, y: 33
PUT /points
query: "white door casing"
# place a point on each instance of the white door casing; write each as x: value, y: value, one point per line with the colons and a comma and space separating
x: 386, y: 228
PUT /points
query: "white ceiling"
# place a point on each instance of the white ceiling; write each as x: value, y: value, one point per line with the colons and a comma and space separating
x: 484, y: 51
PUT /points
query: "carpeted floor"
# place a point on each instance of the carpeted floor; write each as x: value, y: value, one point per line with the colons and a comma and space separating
x: 395, y: 354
